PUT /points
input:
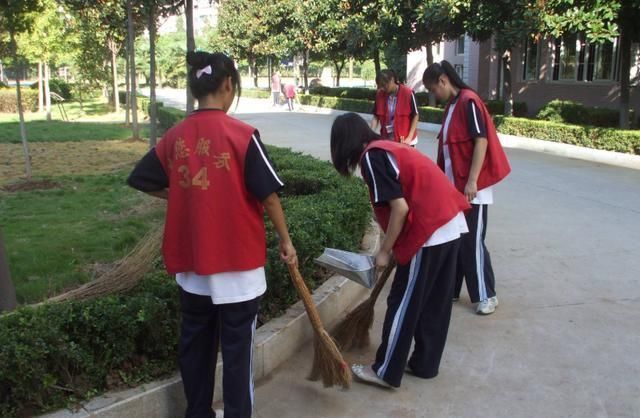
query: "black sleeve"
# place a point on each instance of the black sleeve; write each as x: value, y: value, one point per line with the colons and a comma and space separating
x: 414, y: 105
x: 382, y: 176
x: 149, y: 175
x: 259, y: 175
x: 475, y: 121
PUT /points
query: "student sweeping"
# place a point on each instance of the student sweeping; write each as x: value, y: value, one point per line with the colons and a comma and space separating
x: 395, y: 110
x: 470, y: 154
x: 422, y: 216
x: 218, y: 180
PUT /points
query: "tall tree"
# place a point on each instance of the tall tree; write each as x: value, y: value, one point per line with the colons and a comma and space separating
x: 191, y: 46
x: 8, y: 300
x: 16, y: 17
x: 131, y: 37
x: 600, y: 21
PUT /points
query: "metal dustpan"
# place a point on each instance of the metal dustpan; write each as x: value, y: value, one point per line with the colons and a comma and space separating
x: 357, y: 267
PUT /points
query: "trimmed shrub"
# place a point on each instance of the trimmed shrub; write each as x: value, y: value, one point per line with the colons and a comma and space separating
x: 57, y: 86
x: 359, y: 93
x: 3, y: 85
x: 576, y: 113
x: 430, y: 114
x: 9, y: 101
x: 351, y: 105
x: 592, y: 137
x: 496, y: 107
x: 58, y: 354
x: 255, y: 94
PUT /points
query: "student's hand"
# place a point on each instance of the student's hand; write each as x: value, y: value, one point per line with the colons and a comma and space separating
x: 471, y: 190
x: 288, y: 253
x: 382, y: 259
x: 402, y: 139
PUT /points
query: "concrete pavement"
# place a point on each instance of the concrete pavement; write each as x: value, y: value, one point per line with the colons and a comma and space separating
x: 564, y: 341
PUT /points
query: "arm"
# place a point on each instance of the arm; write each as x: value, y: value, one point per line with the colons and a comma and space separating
x: 374, y: 123
x: 479, y: 153
x: 399, y: 211
x: 412, y: 129
x: 276, y: 215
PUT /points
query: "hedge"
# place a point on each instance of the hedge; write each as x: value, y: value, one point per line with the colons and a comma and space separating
x: 360, y: 93
x: 496, y: 107
x: 255, y: 94
x: 352, y: 105
x: 599, y: 138
x: 576, y: 113
x: 54, y: 355
x: 57, y: 86
x: 9, y: 102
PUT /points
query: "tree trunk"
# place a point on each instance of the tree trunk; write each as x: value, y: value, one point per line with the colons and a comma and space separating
x: 127, y: 86
x: 429, y: 48
x: 305, y: 71
x: 23, y: 128
x: 114, y: 68
x: 625, y: 68
x: 47, y: 90
x: 8, y: 300
x: 508, y: 94
x: 191, y: 46
x: 253, y: 68
x: 132, y: 56
x: 153, y: 116
x: 376, y: 61
x: 40, y: 89
x: 339, y: 67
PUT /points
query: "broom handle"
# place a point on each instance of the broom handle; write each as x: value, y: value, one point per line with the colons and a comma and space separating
x: 382, y: 280
x: 305, y: 295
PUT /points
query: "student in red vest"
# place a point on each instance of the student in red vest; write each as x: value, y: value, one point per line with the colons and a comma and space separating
x: 422, y: 216
x: 218, y: 180
x: 395, y: 110
x: 470, y: 154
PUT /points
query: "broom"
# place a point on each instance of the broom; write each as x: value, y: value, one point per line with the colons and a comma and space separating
x: 328, y: 363
x: 353, y: 331
x: 125, y: 274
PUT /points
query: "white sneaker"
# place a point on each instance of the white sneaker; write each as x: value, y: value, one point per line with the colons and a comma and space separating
x: 366, y: 374
x: 487, y: 306
x: 219, y: 413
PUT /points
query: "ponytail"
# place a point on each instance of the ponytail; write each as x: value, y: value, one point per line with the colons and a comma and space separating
x: 433, y: 73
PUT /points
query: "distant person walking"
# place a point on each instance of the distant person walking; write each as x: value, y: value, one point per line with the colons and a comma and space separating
x: 290, y: 94
x: 276, y: 87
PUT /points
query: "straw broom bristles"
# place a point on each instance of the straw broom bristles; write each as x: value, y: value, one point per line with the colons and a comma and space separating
x: 328, y: 363
x: 125, y: 274
x: 353, y: 331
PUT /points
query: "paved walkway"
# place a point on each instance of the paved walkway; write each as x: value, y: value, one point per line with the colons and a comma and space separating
x: 565, y: 340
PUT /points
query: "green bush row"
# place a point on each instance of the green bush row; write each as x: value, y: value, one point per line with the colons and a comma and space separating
x: 60, y: 354
x: 496, y: 107
x: 352, y: 105
x: 9, y: 101
x: 575, y: 113
x: 255, y: 94
x: 57, y: 86
x: 360, y: 93
x: 592, y: 137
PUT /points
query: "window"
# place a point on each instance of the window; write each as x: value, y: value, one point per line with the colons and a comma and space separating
x: 575, y: 59
x: 460, y: 70
x: 530, y: 60
x: 460, y: 45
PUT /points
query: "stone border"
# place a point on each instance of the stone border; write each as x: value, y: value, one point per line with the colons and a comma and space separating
x: 275, y: 342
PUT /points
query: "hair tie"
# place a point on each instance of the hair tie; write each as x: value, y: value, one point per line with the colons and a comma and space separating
x: 205, y: 70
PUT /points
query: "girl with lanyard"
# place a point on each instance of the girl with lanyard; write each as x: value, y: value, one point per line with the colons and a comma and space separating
x: 422, y: 216
x: 218, y: 180
x: 395, y: 110
x: 470, y: 154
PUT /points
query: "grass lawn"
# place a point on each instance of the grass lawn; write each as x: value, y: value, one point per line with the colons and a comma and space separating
x: 93, y: 121
x: 52, y: 237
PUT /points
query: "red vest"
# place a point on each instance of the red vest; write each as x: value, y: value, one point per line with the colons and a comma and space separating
x: 213, y: 223
x: 461, y: 145
x: 432, y: 199
x: 402, y: 119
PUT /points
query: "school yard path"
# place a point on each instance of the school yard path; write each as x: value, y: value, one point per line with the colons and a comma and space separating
x: 564, y: 241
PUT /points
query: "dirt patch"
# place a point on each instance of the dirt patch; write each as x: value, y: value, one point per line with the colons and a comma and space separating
x: 70, y: 158
x: 30, y: 185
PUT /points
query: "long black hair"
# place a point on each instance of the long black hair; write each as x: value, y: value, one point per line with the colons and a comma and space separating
x: 205, y: 82
x: 433, y: 72
x: 349, y: 136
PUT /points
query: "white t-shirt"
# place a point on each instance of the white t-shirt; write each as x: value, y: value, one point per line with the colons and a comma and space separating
x: 228, y: 287
x: 449, y: 231
x: 484, y: 196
